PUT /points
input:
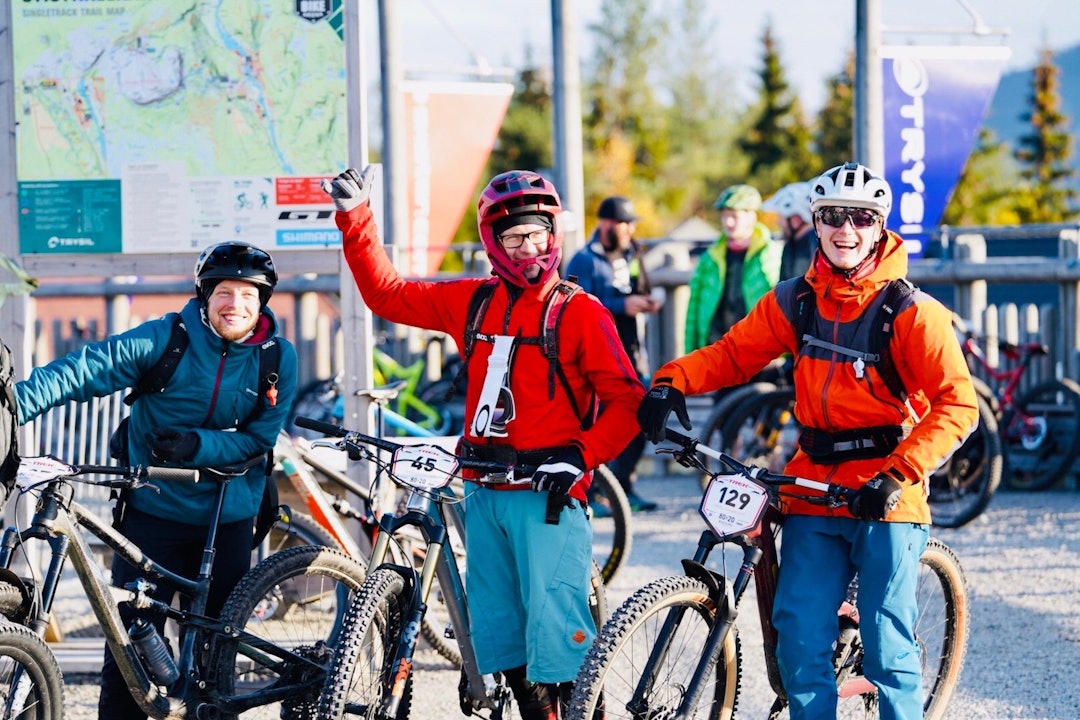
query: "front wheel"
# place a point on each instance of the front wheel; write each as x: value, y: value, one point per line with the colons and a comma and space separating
x: 1042, y: 435
x: 315, y: 585
x: 616, y: 673
x: 942, y: 627
x: 362, y: 671
x: 31, y: 684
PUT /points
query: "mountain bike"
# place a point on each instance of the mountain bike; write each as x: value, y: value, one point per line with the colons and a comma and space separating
x: 255, y: 660
x: 762, y: 430
x: 371, y: 674
x: 672, y: 651
x: 612, y: 536
x: 1039, y: 428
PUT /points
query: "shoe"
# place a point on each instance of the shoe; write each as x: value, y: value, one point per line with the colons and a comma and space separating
x: 640, y: 504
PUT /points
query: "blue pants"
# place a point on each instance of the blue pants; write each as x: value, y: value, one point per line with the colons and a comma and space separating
x: 527, y: 584
x: 819, y: 556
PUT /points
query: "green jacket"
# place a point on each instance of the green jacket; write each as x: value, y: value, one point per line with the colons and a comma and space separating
x: 761, y: 271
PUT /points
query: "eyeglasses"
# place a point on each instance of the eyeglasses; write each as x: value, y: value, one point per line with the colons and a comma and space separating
x: 511, y: 241
x: 837, y: 216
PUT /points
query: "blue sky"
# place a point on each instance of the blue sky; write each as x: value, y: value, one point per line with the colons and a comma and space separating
x: 814, y: 35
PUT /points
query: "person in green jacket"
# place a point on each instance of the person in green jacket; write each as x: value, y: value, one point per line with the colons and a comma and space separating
x: 732, y: 275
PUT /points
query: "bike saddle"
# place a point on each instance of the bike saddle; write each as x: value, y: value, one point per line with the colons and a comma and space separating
x: 232, y: 470
x: 383, y: 393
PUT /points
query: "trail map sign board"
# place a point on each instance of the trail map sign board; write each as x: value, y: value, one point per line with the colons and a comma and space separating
x: 161, y: 127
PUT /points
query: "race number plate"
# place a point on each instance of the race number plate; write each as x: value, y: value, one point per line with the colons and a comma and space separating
x: 424, y: 467
x: 36, y: 470
x: 733, y: 504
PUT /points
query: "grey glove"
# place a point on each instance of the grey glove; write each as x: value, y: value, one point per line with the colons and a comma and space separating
x: 350, y: 189
x: 559, y: 472
x: 875, y: 499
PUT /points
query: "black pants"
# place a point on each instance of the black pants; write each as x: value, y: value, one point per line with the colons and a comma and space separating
x: 179, y: 548
x: 625, y: 464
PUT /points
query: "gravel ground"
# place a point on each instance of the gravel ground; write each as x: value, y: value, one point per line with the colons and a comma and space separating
x: 1020, y: 558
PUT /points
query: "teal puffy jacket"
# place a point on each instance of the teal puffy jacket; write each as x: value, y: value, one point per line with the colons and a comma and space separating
x: 213, y: 390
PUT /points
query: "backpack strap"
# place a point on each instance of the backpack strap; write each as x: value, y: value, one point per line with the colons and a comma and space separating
x: 269, y: 360
x: 893, y: 298
x: 896, y: 293
x: 549, y: 344
x: 478, y: 305
x: 155, y: 380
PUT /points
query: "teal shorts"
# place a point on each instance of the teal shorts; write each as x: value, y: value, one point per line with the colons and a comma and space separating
x: 527, y: 583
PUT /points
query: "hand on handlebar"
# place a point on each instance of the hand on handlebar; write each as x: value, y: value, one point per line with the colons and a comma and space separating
x: 875, y: 499
x: 559, y: 472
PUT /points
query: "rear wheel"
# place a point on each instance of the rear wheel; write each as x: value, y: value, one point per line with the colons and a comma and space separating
x: 713, y: 435
x: 611, y: 533
x: 1042, y: 435
x: 313, y: 586
x: 763, y: 430
x: 961, y: 489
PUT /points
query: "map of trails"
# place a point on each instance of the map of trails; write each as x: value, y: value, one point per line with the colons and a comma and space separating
x: 223, y: 87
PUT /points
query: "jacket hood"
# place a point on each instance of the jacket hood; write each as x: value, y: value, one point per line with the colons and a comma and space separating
x: 889, y: 263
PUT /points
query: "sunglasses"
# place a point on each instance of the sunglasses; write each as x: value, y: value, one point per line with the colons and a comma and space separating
x: 837, y: 216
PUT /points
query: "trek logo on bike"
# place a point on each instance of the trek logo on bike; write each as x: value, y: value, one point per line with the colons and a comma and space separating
x: 733, y: 504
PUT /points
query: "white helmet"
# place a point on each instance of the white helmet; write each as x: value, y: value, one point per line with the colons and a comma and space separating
x: 851, y: 185
x: 790, y: 200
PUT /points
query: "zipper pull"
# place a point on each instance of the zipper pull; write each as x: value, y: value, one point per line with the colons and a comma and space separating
x: 860, y: 367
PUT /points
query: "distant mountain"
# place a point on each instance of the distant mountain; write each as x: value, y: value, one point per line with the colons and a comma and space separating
x: 1012, y: 100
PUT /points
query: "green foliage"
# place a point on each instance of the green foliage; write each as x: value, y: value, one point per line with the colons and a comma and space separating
x: 1044, y: 152
x: 986, y: 193
x: 836, y: 120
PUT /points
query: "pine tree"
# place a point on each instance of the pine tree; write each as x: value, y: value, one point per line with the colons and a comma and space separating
x: 835, y: 121
x: 778, y: 138
x: 1045, y: 151
x: 985, y: 193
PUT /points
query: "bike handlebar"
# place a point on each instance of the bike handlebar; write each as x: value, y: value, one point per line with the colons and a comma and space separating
x: 352, y: 437
x: 763, y: 476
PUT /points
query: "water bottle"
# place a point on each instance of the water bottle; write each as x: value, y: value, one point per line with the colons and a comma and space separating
x: 154, y: 652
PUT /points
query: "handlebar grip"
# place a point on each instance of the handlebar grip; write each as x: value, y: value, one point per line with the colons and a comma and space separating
x: 328, y: 429
x: 172, y: 474
x: 678, y: 438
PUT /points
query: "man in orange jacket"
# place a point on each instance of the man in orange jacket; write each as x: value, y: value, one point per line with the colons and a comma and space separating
x: 529, y: 541
x: 858, y: 430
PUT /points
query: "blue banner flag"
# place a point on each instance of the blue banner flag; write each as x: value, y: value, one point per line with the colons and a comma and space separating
x: 935, y: 100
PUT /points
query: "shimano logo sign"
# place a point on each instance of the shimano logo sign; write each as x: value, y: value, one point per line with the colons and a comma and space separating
x: 914, y: 81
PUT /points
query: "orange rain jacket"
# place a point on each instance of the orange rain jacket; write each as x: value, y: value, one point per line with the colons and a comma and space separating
x: 830, y: 397
x: 590, y: 353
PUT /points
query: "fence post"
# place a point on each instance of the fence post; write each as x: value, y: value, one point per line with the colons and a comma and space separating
x: 1069, y: 322
x: 970, y: 296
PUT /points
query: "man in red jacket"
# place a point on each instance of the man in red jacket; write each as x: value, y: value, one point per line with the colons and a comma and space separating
x: 529, y: 541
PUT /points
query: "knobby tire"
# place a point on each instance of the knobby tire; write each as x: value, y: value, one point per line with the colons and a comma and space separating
x: 614, y: 664
x: 313, y: 586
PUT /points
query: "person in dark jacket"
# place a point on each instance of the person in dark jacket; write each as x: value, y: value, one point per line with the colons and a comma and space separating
x: 210, y: 413
x: 610, y: 268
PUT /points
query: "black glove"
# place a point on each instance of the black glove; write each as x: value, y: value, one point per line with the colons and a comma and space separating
x: 171, y: 445
x: 652, y: 413
x: 875, y: 499
x: 559, y: 472
x: 350, y: 189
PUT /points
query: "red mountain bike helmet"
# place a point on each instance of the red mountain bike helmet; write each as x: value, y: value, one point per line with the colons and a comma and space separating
x: 235, y: 260
x: 519, y: 192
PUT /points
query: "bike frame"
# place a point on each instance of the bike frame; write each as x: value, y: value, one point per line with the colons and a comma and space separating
x: 61, y: 522
x: 433, y: 517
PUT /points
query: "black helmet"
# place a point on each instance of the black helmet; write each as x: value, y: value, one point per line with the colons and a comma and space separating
x: 617, y: 208
x: 235, y: 261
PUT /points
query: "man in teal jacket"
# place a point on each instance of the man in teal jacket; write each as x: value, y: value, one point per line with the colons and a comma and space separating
x: 210, y: 413
x: 732, y: 275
